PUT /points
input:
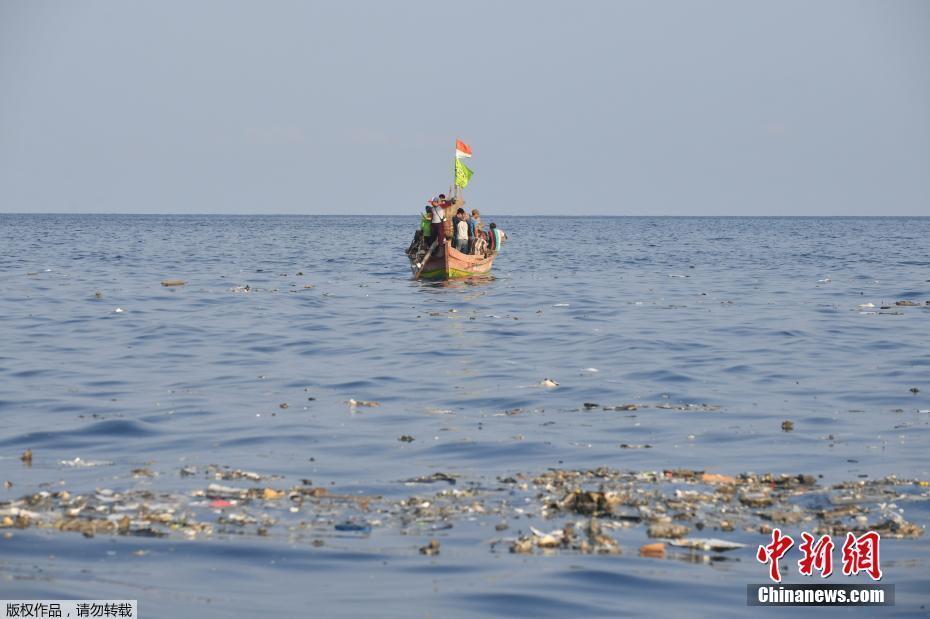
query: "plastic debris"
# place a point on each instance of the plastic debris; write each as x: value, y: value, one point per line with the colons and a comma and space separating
x: 353, y: 403
x: 430, y: 549
x: 429, y: 479
x: 653, y: 551
x: 353, y: 527
x: 667, y: 530
x: 573, y: 511
x: 707, y: 544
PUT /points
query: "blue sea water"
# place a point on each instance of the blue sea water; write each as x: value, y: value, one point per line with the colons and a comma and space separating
x: 737, y: 324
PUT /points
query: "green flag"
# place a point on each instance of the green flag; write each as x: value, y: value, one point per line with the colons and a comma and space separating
x: 462, y: 174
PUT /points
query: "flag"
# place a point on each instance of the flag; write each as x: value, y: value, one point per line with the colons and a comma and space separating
x: 462, y: 174
x: 462, y: 149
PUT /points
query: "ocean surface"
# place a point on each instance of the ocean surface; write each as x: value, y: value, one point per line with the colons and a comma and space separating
x: 720, y: 329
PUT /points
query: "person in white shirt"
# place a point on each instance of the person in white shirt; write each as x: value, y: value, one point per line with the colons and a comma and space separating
x: 437, y: 228
x: 460, y: 238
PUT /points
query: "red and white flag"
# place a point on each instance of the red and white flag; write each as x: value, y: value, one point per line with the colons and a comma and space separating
x: 462, y: 149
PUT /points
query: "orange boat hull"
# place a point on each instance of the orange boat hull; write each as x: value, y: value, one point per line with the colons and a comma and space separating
x: 453, y: 264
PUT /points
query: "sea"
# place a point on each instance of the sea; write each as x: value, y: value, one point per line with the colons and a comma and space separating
x: 300, y: 349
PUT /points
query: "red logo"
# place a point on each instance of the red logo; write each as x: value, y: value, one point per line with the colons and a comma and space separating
x: 817, y: 556
x: 860, y: 554
x: 774, y: 551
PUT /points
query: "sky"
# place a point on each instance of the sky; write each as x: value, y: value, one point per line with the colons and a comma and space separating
x: 617, y: 107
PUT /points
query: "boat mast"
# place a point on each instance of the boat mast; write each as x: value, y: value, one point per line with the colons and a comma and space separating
x: 455, y: 191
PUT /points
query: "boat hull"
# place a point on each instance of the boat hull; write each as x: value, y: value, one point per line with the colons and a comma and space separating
x: 453, y: 264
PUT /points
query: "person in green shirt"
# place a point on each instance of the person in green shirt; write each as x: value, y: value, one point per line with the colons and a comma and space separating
x: 425, y: 222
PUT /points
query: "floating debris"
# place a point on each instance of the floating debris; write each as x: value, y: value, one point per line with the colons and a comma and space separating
x: 787, y: 425
x: 26, y: 457
x: 173, y: 282
x: 906, y: 303
x: 353, y: 527
x: 714, y: 478
x: 353, y: 403
x: 717, y: 545
x: 548, y: 382
x: 667, y: 530
x: 688, y: 407
x: 430, y: 549
x: 429, y: 479
x: 82, y: 464
x: 406, y: 438
x: 653, y: 551
x: 227, y: 474
x: 574, y: 511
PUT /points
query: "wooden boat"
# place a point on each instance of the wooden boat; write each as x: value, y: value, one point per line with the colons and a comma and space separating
x: 449, y: 263
x: 445, y: 262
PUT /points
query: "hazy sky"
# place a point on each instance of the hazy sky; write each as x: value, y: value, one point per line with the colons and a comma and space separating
x: 574, y: 107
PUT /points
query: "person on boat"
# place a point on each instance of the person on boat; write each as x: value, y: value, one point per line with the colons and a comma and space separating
x: 460, y: 229
x: 426, y: 226
x: 476, y: 217
x: 481, y: 244
x: 496, y: 238
x: 473, y: 221
x: 438, y: 232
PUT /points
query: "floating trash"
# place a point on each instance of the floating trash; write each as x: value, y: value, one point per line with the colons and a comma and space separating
x: 353, y: 527
x: 353, y: 403
x: 430, y: 549
x: 717, y: 545
x: 430, y: 479
x: 653, y: 551
x: 79, y: 463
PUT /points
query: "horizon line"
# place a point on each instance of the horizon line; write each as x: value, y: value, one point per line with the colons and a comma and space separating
x: 586, y: 216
